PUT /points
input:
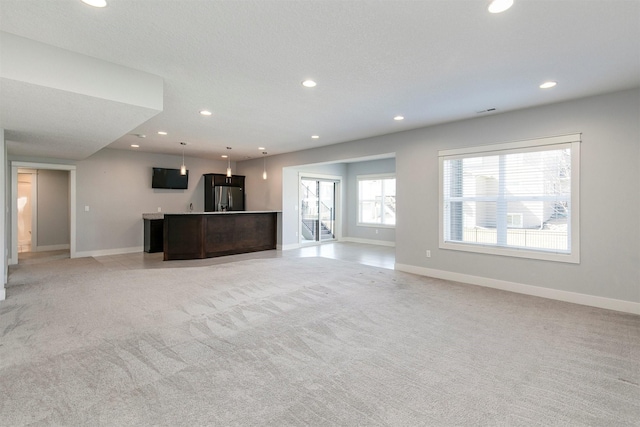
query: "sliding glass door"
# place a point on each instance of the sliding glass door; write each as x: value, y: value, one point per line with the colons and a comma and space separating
x: 317, y: 209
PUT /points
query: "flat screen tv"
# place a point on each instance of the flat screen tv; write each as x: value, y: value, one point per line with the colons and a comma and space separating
x: 169, y: 178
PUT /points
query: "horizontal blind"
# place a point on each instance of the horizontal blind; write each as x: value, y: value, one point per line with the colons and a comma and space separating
x: 518, y: 197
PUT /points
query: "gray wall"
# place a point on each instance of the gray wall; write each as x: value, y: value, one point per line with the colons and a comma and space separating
x: 610, y: 196
x: 353, y: 229
x: 280, y: 191
x: 116, y: 185
x: 53, y: 208
x: 610, y: 253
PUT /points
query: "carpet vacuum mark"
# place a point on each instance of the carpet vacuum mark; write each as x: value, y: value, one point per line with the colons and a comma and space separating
x: 307, y: 341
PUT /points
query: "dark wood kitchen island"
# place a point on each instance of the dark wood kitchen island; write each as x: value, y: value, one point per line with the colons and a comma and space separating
x: 213, y: 234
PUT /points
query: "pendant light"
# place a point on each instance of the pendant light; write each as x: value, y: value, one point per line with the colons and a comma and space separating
x: 228, y: 164
x: 264, y: 165
x: 183, y: 168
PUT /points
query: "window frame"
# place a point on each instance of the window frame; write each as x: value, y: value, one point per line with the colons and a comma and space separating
x: 372, y: 177
x: 571, y: 141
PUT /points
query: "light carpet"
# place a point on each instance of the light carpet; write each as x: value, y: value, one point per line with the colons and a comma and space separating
x: 309, y: 341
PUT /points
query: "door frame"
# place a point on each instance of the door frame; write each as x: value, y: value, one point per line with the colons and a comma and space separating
x: 34, y: 206
x: 337, y: 205
x: 15, y: 165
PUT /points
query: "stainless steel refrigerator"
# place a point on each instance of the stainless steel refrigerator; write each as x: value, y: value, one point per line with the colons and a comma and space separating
x: 228, y: 198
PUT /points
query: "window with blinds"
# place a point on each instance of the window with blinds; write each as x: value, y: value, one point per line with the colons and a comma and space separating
x: 515, y: 199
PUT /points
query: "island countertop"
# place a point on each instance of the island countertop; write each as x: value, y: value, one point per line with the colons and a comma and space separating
x: 193, y: 235
x: 160, y: 215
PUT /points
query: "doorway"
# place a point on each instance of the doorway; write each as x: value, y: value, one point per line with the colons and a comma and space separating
x: 70, y: 209
x: 318, y: 209
x: 27, y: 191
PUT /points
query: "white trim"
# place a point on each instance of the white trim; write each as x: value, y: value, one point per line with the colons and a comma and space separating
x: 15, y: 165
x: 51, y: 248
x: 375, y: 176
x: 34, y: 209
x: 368, y: 241
x: 554, y: 294
x: 3, y: 294
x: 511, y: 252
x: 106, y: 252
x: 336, y: 179
x: 291, y: 246
x: 373, y: 225
x: 72, y: 212
x: 4, y: 175
x: 372, y: 177
x: 13, y: 249
x: 572, y: 141
x: 528, y: 143
x: 309, y: 243
x: 33, y: 173
x: 49, y: 166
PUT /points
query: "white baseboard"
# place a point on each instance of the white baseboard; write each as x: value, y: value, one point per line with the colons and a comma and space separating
x: 291, y: 246
x: 343, y: 239
x: 555, y: 294
x: 368, y: 241
x: 105, y: 252
x: 11, y: 261
x: 51, y: 248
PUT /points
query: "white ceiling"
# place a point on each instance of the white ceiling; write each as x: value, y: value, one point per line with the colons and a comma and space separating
x: 432, y: 61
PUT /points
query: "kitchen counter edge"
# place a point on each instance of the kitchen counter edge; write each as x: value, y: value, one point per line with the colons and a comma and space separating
x: 160, y: 215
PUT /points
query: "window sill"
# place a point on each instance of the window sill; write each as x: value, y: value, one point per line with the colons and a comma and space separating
x: 371, y: 225
x: 573, y: 258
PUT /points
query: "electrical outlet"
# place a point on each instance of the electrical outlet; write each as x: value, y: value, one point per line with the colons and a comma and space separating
x: 376, y: 231
x: 428, y: 253
x: 159, y: 209
x: 86, y: 208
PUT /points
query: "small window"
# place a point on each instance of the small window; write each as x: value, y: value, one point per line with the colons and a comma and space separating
x: 377, y: 200
x: 515, y: 199
x: 514, y: 220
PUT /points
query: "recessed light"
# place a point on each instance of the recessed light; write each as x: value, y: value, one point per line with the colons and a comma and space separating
x: 398, y: 118
x: 161, y: 132
x: 547, y: 85
x: 95, y: 3
x: 261, y: 148
x: 309, y: 83
x: 315, y: 136
x: 498, y: 6
x: 205, y: 112
x: 135, y: 146
x: 224, y: 156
